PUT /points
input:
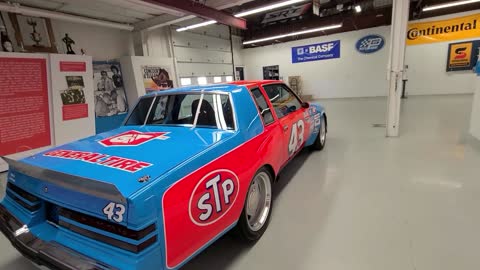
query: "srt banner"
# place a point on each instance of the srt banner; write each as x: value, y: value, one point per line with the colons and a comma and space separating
x: 446, y: 30
x: 462, y: 55
x: 315, y: 52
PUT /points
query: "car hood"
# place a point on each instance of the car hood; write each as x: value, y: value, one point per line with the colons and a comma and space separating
x: 129, y: 156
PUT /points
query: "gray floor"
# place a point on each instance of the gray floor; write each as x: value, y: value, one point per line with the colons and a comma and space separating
x: 367, y: 202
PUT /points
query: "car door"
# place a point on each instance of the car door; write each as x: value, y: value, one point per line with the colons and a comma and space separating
x: 288, y: 109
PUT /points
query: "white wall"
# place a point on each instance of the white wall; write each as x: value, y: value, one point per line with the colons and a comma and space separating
x: 475, y: 117
x: 352, y: 75
x: 358, y: 75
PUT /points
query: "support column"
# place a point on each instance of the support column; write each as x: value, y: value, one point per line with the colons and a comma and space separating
x: 396, y: 64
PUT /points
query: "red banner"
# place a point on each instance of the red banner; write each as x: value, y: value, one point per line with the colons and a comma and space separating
x: 66, y: 66
x: 74, y: 111
x: 24, y: 109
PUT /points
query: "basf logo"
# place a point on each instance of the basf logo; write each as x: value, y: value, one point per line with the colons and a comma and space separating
x: 370, y: 44
x: 315, y: 52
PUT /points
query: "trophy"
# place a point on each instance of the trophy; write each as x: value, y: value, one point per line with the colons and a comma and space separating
x: 35, y: 36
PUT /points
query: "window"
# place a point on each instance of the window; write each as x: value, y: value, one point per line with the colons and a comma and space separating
x: 210, y: 111
x: 262, y: 106
x: 228, y: 78
x: 202, y: 80
x: 217, y: 79
x: 282, y: 99
x: 185, y: 81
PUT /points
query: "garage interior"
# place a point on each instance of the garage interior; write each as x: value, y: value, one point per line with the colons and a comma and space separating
x: 375, y: 198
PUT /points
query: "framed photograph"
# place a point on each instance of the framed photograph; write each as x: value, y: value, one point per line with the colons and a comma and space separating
x: 33, y: 34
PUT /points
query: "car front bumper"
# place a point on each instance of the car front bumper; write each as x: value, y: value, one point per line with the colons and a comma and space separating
x: 49, y: 254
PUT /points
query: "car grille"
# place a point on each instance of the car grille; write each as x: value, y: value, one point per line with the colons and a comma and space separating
x: 86, y: 225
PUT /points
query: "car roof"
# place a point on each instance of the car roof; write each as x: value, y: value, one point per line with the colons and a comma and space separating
x: 225, y: 87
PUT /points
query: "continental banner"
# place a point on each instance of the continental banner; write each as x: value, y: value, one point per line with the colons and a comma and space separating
x: 446, y: 30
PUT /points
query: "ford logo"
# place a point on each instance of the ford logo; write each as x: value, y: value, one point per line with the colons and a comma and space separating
x: 370, y: 44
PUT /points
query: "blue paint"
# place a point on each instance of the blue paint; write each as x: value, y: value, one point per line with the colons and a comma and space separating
x: 370, y: 44
x: 316, y: 52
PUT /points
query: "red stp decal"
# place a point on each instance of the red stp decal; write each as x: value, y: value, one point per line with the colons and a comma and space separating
x: 213, y: 197
x: 133, y: 138
x: 120, y: 163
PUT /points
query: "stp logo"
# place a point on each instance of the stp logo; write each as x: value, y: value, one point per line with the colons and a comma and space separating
x: 133, y: 138
x: 213, y: 197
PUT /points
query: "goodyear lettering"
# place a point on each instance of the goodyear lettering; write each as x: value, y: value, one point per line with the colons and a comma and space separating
x: 119, y: 163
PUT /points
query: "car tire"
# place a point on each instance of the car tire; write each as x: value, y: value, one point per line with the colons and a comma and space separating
x: 321, y: 139
x: 253, y: 221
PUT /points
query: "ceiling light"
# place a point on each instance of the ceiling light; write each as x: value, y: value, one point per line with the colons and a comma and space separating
x: 358, y: 9
x: 267, y: 8
x: 294, y: 33
x: 193, y: 26
x: 451, y: 4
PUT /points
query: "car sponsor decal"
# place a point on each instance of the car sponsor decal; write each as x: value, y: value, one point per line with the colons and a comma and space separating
x: 213, y: 197
x: 133, y: 138
x: 115, y: 162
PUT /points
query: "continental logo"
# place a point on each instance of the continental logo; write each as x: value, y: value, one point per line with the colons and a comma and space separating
x: 415, y: 33
x: 442, y: 31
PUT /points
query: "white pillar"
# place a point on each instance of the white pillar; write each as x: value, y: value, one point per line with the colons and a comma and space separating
x: 396, y: 64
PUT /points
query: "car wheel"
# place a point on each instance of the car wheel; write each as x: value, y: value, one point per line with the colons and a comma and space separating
x: 321, y: 139
x: 258, y: 207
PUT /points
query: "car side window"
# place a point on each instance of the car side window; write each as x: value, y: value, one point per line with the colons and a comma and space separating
x: 282, y: 99
x: 262, y: 106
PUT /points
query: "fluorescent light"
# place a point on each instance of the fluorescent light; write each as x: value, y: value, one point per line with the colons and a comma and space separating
x: 451, y: 4
x: 294, y: 34
x: 267, y: 8
x: 228, y: 78
x: 185, y: 81
x: 217, y: 79
x: 358, y: 9
x: 202, y: 80
x: 193, y: 26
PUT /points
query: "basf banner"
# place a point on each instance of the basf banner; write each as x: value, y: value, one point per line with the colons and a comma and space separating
x: 446, y: 30
x: 315, y: 52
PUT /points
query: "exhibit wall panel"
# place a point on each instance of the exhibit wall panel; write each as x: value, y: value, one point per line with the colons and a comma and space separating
x: 352, y: 75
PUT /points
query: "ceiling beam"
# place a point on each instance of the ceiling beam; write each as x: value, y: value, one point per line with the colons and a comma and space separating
x: 203, y: 11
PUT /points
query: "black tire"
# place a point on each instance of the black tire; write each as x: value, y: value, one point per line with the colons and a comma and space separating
x: 245, y: 230
x: 319, y: 144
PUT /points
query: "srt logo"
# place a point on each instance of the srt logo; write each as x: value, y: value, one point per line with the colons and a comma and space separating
x: 371, y: 44
x: 133, y: 138
x: 213, y: 197
x: 461, y: 53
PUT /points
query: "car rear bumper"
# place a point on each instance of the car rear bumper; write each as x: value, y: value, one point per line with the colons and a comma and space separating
x: 50, y: 254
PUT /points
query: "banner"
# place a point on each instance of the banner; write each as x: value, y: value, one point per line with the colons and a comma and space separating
x: 111, y: 106
x: 462, y: 55
x: 156, y: 78
x: 445, y: 30
x: 316, y: 52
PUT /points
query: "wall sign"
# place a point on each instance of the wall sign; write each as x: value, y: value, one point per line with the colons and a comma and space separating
x: 370, y: 44
x: 316, y: 52
x: 445, y: 30
x: 462, y: 55
x: 286, y: 13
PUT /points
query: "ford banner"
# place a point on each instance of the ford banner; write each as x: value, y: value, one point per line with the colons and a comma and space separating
x: 315, y: 52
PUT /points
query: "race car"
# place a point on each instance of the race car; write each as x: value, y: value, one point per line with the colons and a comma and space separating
x: 187, y: 166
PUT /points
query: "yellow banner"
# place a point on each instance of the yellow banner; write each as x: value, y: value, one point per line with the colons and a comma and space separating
x: 446, y: 30
x: 459, y: 56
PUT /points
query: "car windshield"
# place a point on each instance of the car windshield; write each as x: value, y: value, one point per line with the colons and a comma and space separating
x: 210, y: 110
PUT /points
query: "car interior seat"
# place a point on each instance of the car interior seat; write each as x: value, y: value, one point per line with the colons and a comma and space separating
x: 206, y: 116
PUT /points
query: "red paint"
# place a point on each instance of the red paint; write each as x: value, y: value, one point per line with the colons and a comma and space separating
x: 74, y: 111
x: 66, y: 66
x: 24, y: 106
x: 133, y: 138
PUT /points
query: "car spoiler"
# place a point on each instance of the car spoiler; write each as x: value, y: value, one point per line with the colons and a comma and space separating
x: 81, y: 184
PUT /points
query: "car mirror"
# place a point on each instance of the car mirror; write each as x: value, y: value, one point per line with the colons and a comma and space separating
x: 305, y: 105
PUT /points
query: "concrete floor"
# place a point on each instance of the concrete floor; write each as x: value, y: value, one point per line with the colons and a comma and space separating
x: 366, y: 202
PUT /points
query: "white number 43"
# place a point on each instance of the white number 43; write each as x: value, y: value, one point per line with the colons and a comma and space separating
x: 296, y: 137
x: 114, y: 211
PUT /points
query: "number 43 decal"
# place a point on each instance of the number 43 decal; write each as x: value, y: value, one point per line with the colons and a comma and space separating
x: 296, y: 137
x: 114, y: 211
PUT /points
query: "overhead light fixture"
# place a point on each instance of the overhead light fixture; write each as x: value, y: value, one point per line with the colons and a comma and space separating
x: 267, y: 8
x: 294, y: 34
x: 358, y: 9
x: 451, y: 4
x: 193, y: 26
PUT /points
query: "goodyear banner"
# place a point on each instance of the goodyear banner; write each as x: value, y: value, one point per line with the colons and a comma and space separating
x: 462, y: 55
x: 446, y: 30
x: 315, y: 52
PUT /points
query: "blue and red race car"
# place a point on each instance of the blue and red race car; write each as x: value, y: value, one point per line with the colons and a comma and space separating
x: 187, y: 166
